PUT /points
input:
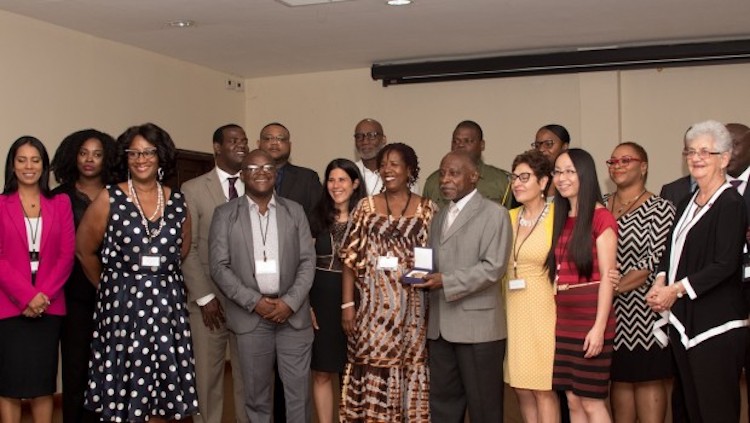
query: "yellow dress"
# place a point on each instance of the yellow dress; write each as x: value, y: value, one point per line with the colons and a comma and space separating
x: 531, y: 310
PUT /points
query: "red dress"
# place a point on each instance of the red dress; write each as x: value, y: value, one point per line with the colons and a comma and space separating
x: 576, y: 313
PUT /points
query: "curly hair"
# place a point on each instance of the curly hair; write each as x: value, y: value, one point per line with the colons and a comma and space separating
x: 65, y: 162
x: 11, y: 181
x: 537, y: 161
x: 407, y: 155
x: 156, y: 136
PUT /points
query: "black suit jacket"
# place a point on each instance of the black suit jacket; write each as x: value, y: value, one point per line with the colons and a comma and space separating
x: 302, y: 185
x: 677, y: 190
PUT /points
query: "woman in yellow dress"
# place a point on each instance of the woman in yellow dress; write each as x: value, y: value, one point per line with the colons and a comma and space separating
x: 529, y: 292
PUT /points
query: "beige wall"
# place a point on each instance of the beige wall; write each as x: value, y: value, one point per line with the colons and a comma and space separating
x: 652, y: 107
x: 54, y: 81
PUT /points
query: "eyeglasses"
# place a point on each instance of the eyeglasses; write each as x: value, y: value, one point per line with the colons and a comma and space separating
x: 523, y: 177
x: 547, y: 144
x: 371, y: 136
x: 624, y: 160
x: 148, y: 153
x: 566, y: 172
x: 253, y: 169
x: 703, y: 153
x: 271, y: 138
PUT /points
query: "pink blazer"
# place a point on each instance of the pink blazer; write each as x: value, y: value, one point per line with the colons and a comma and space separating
x: 56, y: 253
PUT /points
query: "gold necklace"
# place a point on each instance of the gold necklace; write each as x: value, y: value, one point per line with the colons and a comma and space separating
x: 623, y: 206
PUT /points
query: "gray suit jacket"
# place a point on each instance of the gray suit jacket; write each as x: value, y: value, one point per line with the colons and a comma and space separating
x: 202, y: 194
x: 233, y: 266
x: 472, y: 256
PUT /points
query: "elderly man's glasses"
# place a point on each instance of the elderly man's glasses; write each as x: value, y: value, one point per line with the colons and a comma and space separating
x: 253, y: 169
x: 702, y: 154
x: 523, y: 177
x: 371, y: 136
x: 546, y: 144
x: 148, y: 153
x: 624, y: 161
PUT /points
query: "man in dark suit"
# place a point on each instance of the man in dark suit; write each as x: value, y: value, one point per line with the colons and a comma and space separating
x: 262, y: 257
x: 293, y: 182
x: 296, y: 183
x: 738, y: 172
x: 471, y: 239
x: 205, y: 301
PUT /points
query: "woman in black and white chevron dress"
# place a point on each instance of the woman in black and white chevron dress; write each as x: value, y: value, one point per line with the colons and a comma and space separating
x: 639, y: 364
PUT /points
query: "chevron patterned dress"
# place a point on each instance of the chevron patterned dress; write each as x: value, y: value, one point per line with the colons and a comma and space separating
x: 642, y: 238
x: 386, y: 378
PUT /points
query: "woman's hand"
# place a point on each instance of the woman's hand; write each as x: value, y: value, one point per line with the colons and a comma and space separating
x: 347, y: 320
x: 614, y: 278
x: 314, y: 319
x: 594, y: 342
x: 661, y: 298
x: 38, y: 304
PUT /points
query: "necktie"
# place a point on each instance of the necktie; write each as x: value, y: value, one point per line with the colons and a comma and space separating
x: 232, y: 188
x: 451, y: 217
x: 736, y: 183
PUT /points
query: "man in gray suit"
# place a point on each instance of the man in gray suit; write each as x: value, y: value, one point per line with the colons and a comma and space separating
x: 205, y: 302
x: 263, y: 260
x: 471, y: 240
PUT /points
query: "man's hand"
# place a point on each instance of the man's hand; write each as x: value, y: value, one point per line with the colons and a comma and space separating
x: 431, y: 281
x: 281, y: 311
x: 265, y: 307
x: 213, y: 314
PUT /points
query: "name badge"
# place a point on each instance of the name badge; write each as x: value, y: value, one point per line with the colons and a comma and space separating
x: 514, y: 284
x: 387, y: 263
x: 150, y: 260
x: 265, y: 267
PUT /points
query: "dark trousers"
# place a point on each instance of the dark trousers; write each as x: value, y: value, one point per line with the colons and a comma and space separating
x: 466, y: 376
x: 75, y: 346
x: 707, y: 382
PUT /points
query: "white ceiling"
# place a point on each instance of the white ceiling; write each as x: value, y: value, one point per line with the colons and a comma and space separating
x: 253, y: 38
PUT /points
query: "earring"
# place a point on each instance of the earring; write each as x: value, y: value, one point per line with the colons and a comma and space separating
x: 160, y: 174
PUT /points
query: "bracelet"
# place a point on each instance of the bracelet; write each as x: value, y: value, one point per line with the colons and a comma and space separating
x: 347, y: 305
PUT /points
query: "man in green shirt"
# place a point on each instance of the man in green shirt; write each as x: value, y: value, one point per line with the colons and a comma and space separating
x: 494, y: 183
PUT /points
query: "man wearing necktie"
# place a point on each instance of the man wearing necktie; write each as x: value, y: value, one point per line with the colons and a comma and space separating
x: 205, y: 302
x: 466, y: 330
x: 738, y: 172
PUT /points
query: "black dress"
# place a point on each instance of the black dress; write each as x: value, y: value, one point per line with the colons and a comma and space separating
x: 77, y: 325
x: 142, y: 361
x: 329, y: 346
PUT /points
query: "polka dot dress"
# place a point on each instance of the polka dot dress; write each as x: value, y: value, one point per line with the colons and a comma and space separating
x: 142, y: 360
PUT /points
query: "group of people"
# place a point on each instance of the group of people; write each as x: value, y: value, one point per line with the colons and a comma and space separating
x: 420, y: 306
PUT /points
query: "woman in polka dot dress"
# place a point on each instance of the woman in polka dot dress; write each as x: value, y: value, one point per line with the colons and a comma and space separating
x: 141, y: 366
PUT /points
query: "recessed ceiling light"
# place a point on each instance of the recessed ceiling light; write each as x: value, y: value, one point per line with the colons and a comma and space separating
x: 181, y: 23
x: 398, y: 2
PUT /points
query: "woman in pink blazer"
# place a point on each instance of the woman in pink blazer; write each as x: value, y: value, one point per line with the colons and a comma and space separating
x: 37, y: 244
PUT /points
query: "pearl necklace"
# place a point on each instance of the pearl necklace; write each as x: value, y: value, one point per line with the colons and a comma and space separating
x: 151, y: 233
x: 531, y: 222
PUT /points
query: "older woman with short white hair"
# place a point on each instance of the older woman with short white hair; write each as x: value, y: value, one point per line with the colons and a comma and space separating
x: 698, y: 288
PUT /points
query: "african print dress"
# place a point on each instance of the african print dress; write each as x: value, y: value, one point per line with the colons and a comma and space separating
x: 386, y: 378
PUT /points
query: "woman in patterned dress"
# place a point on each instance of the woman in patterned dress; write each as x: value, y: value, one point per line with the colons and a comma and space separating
x: 386, y: 378
x: 344, y: 188
x: 141, y: 366
x: 531, y: 309
x: 584, y: 245
x: 640, y: 366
